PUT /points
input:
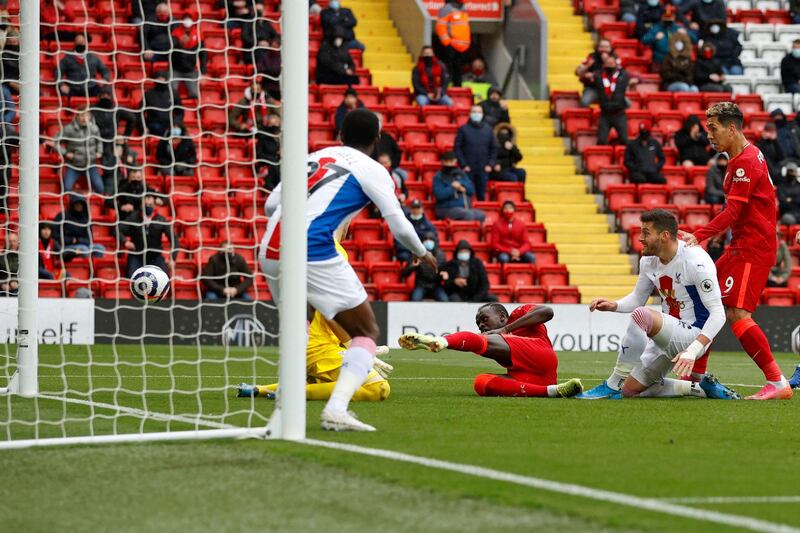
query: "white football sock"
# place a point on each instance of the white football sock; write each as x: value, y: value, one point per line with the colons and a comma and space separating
x: 673, y: 388
x: 630, y: 351
x: 552, y: 391
x: 779, y: 384
x: 356, y: 364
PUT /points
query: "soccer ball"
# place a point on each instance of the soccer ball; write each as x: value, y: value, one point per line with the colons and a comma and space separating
x: 796, y: 340
x: 149, y: 284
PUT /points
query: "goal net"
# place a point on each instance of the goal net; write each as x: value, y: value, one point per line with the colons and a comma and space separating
x: 159, y: 138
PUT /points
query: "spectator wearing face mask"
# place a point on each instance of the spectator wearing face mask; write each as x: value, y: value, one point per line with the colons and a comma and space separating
x: 430, y: 80
x: 334, y: 64
x: 50, y: 266
x: 162, y: 107
x: 794, y: 11
x: 250, y: 112
x: 476, y: 149
x: 627, y: 10
x: 74, y: 230
x: 256, y: 31
x: 715, y: 178
x: 677, y: 69
x: 422, y: 226
x: 790, y: 69
x: 726, y: 42
x: 495, y: 109
x: 227, y: 275
x: 508, y: 155
x: 131, y: 191
x: 80, y: 145
x: 784, y: 131
x: 590, y: 70
x: 789, y: 194
x: 78, y: 71
x: 771, y: 148
x: 780, y: 272
x: 611, y: 83
x: 692, y: 143
x: 109, y: 116
x: 428, y: 282
x: 702, y: 12
x: 156, y: 37
x: 239, y: 13
x: 349, y: 102
x: 388, y: 145
x: 648, y: 13
x: 189, y: 56
x: 268, y: 151
x: 509, y: 241
x: 338, y: 17
x: 269, y: 65
x: 659, y: 35
x: 399, y: 176
x: 453, y: 191
x: 708, y: 74
x: 142, y: 233
x: 466, y: 279
x: 177, y: 156
x: 477, y: 73
x: 644, y: 158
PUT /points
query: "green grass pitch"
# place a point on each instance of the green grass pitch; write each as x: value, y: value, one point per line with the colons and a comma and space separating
x: 665, y: 449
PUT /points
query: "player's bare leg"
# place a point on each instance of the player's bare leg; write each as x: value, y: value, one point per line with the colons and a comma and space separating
x: 361, y: 325
x: 755, y: 343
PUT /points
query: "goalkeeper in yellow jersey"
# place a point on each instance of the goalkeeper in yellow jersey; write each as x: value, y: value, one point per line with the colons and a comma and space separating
x: 326, y: 344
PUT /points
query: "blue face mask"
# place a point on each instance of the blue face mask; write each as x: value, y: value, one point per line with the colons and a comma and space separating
x: 796, y: 52
x: 429, y: 245
x: 476, y: 117
x: 463, y: 256
x: 333, y: 4
x: 176, y: 132
x: 652, y: 3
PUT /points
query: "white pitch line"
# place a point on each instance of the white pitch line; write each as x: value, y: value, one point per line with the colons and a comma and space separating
x: 163, y: 417
x: 735, y: 499
x: 650, y: 504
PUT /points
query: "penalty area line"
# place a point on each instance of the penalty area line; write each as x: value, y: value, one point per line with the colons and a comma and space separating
x: 650, y: 504
x: 735, y: 499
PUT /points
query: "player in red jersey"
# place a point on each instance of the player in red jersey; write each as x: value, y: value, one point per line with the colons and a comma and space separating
x: 750, y: 214
x: 517, y: 342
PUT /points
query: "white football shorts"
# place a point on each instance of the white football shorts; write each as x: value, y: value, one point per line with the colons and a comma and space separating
x: 332, y: 285
x: 656, y: 361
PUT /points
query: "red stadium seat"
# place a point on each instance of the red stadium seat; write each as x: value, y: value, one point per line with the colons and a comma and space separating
x: 418, y: 190
x: 563, y: 100
x: 609, y: 175
x: 597, y: 157
x: 794, y: 279
x: 396, y: 96
x: 461, y: 96
x: 407, y: 114
x: 51, y: 288
x: 565, y: 295
x: 685, y: 195
x: 366, y: 230
x: 361, y: 269
x: 502, y: 191
x: 415, y: 134
x: 353, y: 249
x: 674, y: 174
x: 780, y: 297
x: 550, y: 275
x: 530, y: 294
x: 394, y: 292
x: 444, y: 136
x: 492, y: 210
x: 634, y: 246
x: 504, y: 293
x: 575, y: 119
x: 425, y: 153
x: 519, y: 274
x: 628, y: 215
x: 618, y: 196
x: 537, y: 234
x: 469, y: 230
x: 494, y: 271
x: 435, y: 115
x: 375, y: 251
x: 546, y: 253
x: 382, y: 273
x: 658, y: 101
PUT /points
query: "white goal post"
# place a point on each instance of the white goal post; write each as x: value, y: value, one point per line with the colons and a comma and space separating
x: 288, y: 420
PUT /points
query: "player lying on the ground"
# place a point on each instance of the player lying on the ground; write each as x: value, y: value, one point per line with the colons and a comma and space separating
x: 518, y: 342
x: 326, y: 345
x: 686, y: 279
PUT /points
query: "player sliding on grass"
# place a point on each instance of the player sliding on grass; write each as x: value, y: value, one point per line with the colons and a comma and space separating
x: 518, y: 342
x: 744, y: 267
x: 654, y: 342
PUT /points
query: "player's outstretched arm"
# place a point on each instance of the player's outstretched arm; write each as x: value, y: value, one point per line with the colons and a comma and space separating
x: 538, y: 315
x: 602, y: 304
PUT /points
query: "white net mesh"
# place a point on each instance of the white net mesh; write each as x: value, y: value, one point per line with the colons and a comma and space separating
x: 160, y: 138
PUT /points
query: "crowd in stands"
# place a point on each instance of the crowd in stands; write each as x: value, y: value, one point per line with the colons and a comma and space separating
x: 691, y: 48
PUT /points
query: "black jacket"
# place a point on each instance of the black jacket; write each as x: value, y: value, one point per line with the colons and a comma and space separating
x: 257, y: 30
x: 168, y: 154
x: 477, y: 287
x: 702, y: 12
x: 332, y: 63
x: 145, y: 9
x: 789, y: 196
x: 644, y: 155
x: 422, y: 226
x: 71, y: 226
x: 268, y: 146
x: 341, y: 112
x: 156, y: 36
x: 646, y: 16
x: 704, y: 68
x: 387, y: 145
x: 9, y: 64
x: 343, y: 18
x: 728, y: 47
x: 73, y: 71
x: 148, y: 237
x: 162, y: 105
x: 475, y: 146
x: 427, y: 278
x: 773, y: 153
x: 131, y: 193
x: 108, y: 117
x: 223, y: 271
x: 790, y: 70
x: 615, y: 103
x: 188, y: 59
x: 715, y: 178
x: 493, y: 113
x: 694, y: 150
x: 507, y: 158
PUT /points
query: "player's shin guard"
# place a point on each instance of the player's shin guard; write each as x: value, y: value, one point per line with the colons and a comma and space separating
x: 630, y: 351
x: 755, y: 343
x: 494, y: 385
x: 356, y: 364
x: 466, y: 341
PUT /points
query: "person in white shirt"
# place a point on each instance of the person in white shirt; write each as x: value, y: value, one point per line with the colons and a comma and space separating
x: 342, y: 180
x: 691, y: 316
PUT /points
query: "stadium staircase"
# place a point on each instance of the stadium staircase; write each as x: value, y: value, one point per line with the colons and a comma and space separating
x: 386, y: 57
x: 559, y: 193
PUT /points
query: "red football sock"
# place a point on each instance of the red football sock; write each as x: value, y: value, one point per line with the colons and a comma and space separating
x: 466, y: 341
x: 494, y: 385
x: 756, y: 345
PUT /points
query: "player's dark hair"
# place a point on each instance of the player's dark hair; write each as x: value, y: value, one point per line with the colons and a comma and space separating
x: 726, y: 113
x: 500, y: 308
x: 360, y: 128
x: 662, y: 220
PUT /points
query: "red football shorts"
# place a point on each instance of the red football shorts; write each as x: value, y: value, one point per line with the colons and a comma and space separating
x: 532, y: 360
x: 741, y: 282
